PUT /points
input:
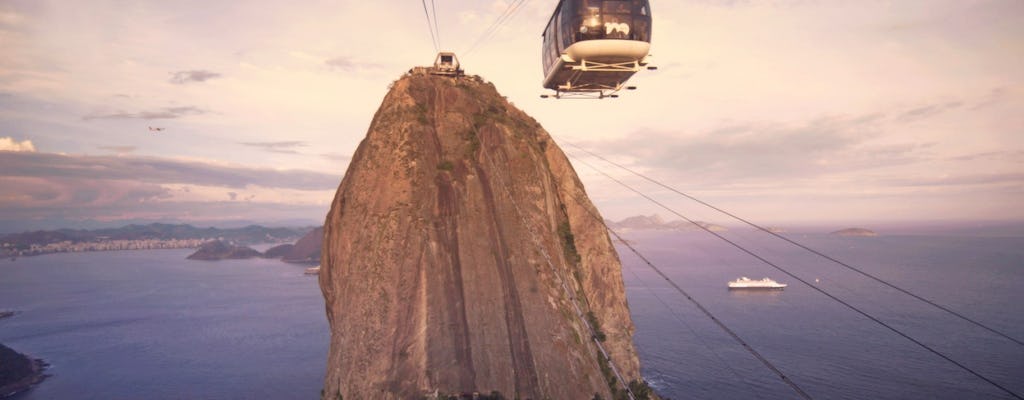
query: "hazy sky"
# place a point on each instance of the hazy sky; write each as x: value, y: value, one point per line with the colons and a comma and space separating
x: 800, y: 110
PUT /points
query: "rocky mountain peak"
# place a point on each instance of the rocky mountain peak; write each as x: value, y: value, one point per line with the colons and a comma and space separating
x: 461, y: 254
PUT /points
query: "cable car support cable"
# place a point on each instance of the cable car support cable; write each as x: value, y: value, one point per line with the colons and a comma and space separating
x: 430, y: 26
x: 802, y: 246
x: 503, y: 19
x: 437, y: 29
x: 700, y: 306
x: 791, y: 275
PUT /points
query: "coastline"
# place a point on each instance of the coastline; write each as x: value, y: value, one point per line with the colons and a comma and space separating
x: 36, y: 372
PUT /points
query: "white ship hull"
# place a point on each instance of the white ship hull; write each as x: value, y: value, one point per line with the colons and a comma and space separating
x: 745, y: 283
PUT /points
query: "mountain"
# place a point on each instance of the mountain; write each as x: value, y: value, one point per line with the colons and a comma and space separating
x: 461, y: 254
x: 655, y: 222
x: 249, y: 234
x: 307, y: 249
x: 219, y: 250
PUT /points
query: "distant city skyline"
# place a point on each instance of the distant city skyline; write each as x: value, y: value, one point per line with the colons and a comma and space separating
x: 784, y: 111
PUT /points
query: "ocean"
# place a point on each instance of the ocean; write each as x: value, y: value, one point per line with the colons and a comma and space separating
x: 153, y: 325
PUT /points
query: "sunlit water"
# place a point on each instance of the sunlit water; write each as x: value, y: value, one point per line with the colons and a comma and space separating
x: 150, y: 324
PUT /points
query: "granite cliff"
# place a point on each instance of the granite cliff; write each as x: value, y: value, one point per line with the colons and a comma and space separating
x: 461, y: 254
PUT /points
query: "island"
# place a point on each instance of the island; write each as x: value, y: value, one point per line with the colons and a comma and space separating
x: 305, y: 251
x: 656, y: 222
x: 855, y: 232
x: 220, y: 250
x: 18, y: 372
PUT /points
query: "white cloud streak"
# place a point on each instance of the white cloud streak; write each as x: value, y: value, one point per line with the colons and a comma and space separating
x: 12, y: 145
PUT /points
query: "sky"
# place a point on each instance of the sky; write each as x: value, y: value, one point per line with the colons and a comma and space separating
x: 785, y: 111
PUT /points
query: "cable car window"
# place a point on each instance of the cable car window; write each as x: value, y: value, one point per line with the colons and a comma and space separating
x: 616, y: 7
x: 592, y: 26
x: 568, y: 24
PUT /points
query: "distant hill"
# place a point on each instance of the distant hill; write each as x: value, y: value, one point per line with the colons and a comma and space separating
x: 655, y: 222
x: 305, y: 251
x: 247, y: 235
x: 856, y: 232
x: 219, y: 250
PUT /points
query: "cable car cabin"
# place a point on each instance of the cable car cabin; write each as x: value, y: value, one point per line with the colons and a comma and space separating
x: 592, y: 47
x: 446, y: 64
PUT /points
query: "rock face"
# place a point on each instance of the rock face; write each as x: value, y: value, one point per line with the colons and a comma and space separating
x: 456, y: 252
x: 218, y: 250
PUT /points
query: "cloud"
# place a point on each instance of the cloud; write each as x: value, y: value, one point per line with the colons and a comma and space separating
x: 285, y: 147
x: 753, y: 152
x: 1013, y: 178
x: 929, y: 110
x: 347, y: 64
x: 38, y: 187
x: 9, y: 144
x: 336, y: 157
x: 194, y: 76
x: 158, y: 171
x: 164, y: 113
x: 119, y: 149
x: 992, y: 155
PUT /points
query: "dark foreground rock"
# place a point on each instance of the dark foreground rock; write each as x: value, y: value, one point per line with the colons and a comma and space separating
x: 18, y: 372
x: 461, y: 255
x: 219, y: 250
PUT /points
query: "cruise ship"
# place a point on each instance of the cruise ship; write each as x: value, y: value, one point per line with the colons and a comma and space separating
x: 763, y: 284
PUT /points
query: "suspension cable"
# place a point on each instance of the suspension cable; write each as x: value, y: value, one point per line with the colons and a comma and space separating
x: 681, y: 320
x: 430, y: 27
x: 822, y: 291
x: 802, y: 246
x: 503, y: 19
x: 437, y: 30
x: 699, y: 306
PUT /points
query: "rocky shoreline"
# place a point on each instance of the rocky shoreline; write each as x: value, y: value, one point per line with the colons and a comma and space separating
x: 19, y: 372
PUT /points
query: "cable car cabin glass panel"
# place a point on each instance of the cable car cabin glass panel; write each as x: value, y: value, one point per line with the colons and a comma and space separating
x: 579, y: 20
x: 550, y: 50
x: 605, y: 19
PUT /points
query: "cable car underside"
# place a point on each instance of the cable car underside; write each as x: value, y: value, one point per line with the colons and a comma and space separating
x: 603, y: 74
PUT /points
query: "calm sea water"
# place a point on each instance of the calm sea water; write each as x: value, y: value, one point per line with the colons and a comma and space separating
x: 827, y: 349
x: 150, y: 324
